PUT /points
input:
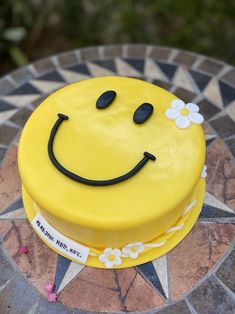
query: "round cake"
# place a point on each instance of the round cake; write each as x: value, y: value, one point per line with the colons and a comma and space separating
x: 113, y: 171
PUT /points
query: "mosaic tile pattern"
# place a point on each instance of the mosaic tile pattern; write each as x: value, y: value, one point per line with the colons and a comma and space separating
x: 197, y: 276
x: 210, y: 297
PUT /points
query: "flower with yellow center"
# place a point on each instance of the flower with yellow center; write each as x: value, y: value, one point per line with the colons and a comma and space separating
x: 111, y: 257
x: 184, y: 114
x: 132, y: 250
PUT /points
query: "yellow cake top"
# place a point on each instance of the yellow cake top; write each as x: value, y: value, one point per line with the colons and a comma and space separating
x: 87, y: 153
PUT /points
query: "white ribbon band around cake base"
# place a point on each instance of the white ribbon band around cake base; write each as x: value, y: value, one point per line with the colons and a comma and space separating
x: 110, y: 257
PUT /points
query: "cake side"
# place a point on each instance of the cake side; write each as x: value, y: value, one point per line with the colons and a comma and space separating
x: 99, y: 238
x: 129, y: 255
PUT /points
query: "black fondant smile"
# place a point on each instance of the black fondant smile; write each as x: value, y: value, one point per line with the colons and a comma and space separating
x: 75, y: 177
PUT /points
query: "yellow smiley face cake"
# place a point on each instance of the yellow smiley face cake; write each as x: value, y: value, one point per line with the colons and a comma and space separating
x: 113, y: 171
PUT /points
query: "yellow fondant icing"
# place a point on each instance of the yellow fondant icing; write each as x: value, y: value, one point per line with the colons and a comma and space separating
x: 104, y: 144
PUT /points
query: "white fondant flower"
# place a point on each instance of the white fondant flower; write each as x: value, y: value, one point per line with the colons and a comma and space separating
x: 184, y: 114
x: 132, y: 250
x: 111, y: 257
x: 204, y: 172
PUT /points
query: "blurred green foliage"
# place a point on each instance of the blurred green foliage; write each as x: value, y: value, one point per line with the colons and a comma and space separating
x: 35, y: 28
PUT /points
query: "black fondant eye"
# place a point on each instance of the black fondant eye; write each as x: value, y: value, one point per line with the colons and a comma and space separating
x: 142, y: 113
x: 105, y: 99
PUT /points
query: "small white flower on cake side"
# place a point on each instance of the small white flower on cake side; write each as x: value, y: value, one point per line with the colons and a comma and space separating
x: 132, y: 250
x: 204, y: 172
x: 111, y: 257
x: 184, y: 114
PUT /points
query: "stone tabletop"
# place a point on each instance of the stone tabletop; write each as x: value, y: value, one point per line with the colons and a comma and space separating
x: 197, y: 276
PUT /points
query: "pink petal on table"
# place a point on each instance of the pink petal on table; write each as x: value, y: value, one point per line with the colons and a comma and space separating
x: 24, y: 249
x: 50, y: 287
x: 51, y: 297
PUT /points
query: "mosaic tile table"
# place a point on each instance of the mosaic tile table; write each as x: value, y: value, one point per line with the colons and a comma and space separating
x: 198, y: 276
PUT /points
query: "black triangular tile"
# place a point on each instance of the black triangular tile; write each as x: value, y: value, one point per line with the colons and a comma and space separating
x: 227, y: 93
x: 108, y: 64
x: 162, y: 84
x: 200, y: 79
x: 25, y: 89
x: 61, y: 269
x: 231, y: 145
x: 16, y: 205
x: 224, y: 126
x: 137, y: 64
x: 2, y: 153
x: 39, y: 100
x: 4, y: 106
x: 53, y: 76
x: 167, y: 69
x: 207, y: 109
x: 184, y: 94
x: 80, y: 68
x: 210, y: 140
x: 140, y: 78
x: 148, y: 271
x: 209, y: 211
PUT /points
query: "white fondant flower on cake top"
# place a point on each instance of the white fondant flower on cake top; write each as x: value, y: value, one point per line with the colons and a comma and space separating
x: 204, y: 172
x: 132, y: 250
x: 111, y: 257
x: 184, y: 114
